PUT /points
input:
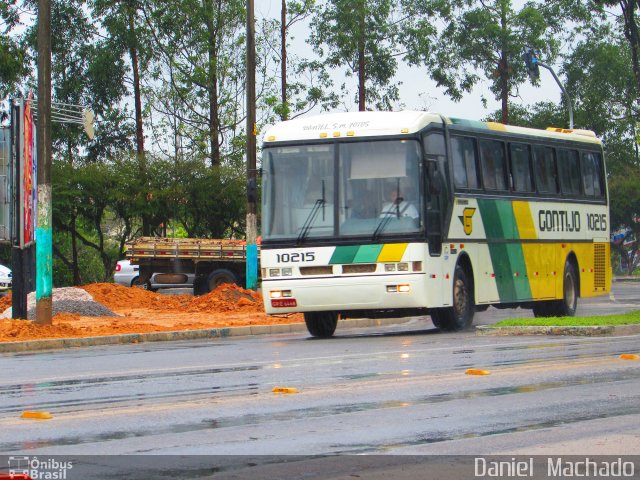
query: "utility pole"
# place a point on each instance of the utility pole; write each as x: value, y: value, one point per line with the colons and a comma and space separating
x: 44, y: 258
x: 252, y: 189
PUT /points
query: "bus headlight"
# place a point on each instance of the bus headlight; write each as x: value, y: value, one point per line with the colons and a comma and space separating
x: 274, y: 272
x: 280, y: 294
x: 287, y: 272
x: 403, y: 288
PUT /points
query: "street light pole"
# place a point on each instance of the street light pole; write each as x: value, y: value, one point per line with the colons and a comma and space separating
x: 44, y: 256
x: 252, y: 248
x: 532, y: 62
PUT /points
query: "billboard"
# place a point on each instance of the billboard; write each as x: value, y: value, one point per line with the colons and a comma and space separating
x: 5, y: 184
x: 23, y: 173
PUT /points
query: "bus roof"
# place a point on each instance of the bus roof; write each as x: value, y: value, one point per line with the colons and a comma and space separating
x: 365, y: 124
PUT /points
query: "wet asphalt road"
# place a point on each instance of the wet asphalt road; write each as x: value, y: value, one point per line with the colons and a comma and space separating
x: 398, y: 389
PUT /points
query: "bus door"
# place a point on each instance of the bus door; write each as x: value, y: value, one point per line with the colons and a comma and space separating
x: 435, y: 189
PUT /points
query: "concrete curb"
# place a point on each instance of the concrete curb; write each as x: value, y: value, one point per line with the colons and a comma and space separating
x: 130, y: 338
x: 626, y: 279
x: 581, y: 331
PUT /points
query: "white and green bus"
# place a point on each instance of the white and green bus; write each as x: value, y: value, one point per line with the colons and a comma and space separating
x: 393, y: 214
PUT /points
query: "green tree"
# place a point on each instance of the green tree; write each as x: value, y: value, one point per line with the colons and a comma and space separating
x: 309, y: 85
x: 362, y: 37
x: 601, y: 79
x: 86, y: 70
x: 486, y: 39
x: 200, y: 70
x: 630, y: 9
x: 12, y: 51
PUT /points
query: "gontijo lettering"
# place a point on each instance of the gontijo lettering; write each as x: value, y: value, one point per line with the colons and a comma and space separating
x: 559, y: 221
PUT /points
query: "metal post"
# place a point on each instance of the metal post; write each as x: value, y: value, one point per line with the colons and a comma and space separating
x: 252, y: 248
x: 44, y: 257
x: 564, y: 90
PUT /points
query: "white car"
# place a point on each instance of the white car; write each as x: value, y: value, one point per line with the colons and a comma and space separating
x: 127, y: 275
x: 5, y: 278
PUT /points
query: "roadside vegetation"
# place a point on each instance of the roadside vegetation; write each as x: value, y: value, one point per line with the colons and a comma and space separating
x: 166, y: 82
x: 628, y: 318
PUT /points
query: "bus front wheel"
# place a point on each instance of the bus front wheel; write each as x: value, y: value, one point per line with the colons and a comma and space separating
x: 321, y: 324
x: 460, y: 315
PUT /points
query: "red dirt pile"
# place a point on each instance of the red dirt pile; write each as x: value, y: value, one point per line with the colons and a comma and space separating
x: 143, y: 311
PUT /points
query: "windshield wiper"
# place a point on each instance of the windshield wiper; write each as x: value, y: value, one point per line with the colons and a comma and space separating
x: 306, y: 227
x: 381, y: 226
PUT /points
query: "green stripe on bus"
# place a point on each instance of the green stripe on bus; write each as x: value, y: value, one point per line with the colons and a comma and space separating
x: 367, y: 254
x: 507, y: 258
x: 344, y: 254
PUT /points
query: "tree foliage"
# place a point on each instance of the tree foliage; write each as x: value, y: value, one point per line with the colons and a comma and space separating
x: 485, y: 39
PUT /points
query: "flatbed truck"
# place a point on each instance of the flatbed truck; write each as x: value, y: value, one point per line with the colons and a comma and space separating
x: 212, y: 261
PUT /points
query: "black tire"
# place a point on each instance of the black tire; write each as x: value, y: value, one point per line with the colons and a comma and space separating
x: 143, y: 285
x: 200, y: 286
x: 570, y: 292
x: 321, y: 324
x: 541, y: 309
x: 460, y: 315
x: 219, y: 277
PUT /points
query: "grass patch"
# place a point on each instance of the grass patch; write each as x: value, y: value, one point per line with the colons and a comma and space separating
x: 628, y: 318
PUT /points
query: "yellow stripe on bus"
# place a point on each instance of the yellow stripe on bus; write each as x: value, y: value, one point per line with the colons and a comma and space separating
x: 526, y: 228
x: 392, y: 252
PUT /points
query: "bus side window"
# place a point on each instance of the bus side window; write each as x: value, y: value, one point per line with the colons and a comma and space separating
x: 521, y: 167
x: 569, y: 169
x: 434, y: 147
x: 591, y: 175
x: 544, y: 167
x: 493, y: 165
x: 465, y: 173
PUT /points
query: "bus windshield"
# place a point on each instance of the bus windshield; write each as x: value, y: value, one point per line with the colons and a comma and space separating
x: 351, y: 189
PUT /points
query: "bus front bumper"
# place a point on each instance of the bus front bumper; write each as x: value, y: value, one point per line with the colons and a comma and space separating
x: 380, y: 292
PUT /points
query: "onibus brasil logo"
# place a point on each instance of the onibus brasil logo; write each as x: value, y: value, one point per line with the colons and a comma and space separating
x: 38, y: 469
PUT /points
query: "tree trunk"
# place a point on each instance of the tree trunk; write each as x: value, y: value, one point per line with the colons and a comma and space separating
x: 283, y: 65
x: 361, y: 59
x: 137, y: 100
x: 214, y: 120
x: 503, y: 71
x: 74, y: 251
x: 133, y: 53
x: 632, y: 34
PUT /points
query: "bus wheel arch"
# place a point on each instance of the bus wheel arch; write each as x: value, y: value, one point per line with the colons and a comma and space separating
x: 460, y: 315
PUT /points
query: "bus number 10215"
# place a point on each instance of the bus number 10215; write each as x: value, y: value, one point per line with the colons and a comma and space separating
x: 296, y: 257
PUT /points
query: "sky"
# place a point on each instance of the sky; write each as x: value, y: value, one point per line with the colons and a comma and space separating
x: 419, y: 92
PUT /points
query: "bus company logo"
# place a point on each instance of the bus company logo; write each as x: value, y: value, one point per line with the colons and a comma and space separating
x: 467, y: 220
x: 37, y: 469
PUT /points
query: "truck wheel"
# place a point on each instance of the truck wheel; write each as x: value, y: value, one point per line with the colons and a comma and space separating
x: 200, y: 286
x: 321, y: 324
x: 220, y: 276
x: 460, y: 315
x: 143, y: 285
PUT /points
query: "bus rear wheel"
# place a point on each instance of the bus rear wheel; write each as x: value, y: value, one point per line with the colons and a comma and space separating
x: 321, y: 324
x: 570, y: 292
x: 460, y: 315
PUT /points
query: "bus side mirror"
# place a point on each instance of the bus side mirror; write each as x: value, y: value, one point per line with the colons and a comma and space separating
x: 435, y: 180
